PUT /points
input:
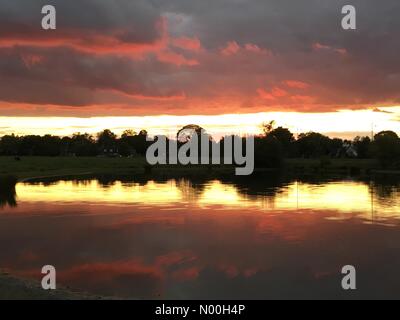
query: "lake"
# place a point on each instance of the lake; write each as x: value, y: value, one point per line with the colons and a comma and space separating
x: 240, y: 238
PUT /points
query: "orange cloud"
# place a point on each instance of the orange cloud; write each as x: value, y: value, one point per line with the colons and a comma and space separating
x: 265, y: 95
x: 303, y: 99
x: 278, y: 92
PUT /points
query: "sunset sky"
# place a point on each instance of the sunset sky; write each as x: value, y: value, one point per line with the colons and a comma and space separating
x: 227, y: 65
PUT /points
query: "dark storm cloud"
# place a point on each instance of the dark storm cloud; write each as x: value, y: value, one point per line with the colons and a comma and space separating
x: 236, y: 53
x: 137, y: 17
x: 65, y: 77
x: 361, y: 66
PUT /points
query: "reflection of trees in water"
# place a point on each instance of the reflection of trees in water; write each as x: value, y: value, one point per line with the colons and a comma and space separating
x: 386, y: 190
x: 188, y: 190
x: 7, y: 191
x: 106, y: 182
x: 266, y: 185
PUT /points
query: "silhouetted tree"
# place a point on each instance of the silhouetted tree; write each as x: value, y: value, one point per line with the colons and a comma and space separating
x: 268, y: 152
x: 186, y: 133
x: 9, y: 145
x: 362, y: 146
x: 285, y: 138
x: 126, y: 144
x: 267, y: 127
x: 82, y: 145
x: 128, y: 133
x: 386, y: 147
x: 313, y: 145
x: 141, y: 143
x: 106, y: 140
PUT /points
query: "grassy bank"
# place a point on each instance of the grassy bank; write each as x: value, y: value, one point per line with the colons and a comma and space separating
x: 36, y: 167
x: 29, y: 167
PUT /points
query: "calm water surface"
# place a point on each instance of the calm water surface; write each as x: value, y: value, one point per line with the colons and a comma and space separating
x: 186, y: 239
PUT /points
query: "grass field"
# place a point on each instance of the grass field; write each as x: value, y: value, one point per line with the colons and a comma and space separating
x: 30, y: 167
x: 36, y: 167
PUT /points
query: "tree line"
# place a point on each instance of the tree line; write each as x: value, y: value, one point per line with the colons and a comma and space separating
x: 81, y: 145
x: 271, y: 147
x: 281, y: 143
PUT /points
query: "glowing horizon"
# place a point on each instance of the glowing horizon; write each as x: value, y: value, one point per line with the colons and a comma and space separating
x: 342, y: 124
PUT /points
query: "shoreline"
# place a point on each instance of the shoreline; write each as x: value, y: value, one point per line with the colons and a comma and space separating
x: 37, y: 168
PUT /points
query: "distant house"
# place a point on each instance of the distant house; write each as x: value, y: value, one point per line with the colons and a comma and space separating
x: 347, y: 151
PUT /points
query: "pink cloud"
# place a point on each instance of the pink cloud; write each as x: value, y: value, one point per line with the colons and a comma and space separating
x: 341, y: 51
x: 186, y: 43
x: 296, y: 84
x: 231, y: 48
x: 252, y: 47
x: 273, y: 94
x: 94, y: 43
x: 168, y: 56
x: 85, y: 41
x: 318, y: 46
x: 256, y: 49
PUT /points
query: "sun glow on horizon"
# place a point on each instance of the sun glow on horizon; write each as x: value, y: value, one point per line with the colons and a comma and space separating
x: 344, y: 123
